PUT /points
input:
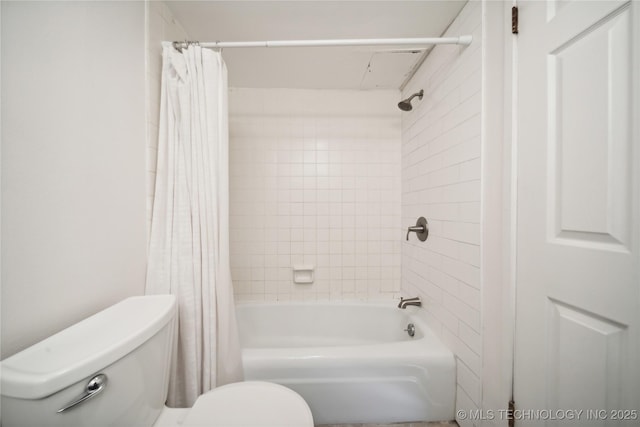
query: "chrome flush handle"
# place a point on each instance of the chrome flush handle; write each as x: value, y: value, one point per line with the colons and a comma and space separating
x: 94, y: 387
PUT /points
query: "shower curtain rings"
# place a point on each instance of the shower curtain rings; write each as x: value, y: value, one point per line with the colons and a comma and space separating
x: 179, y: 46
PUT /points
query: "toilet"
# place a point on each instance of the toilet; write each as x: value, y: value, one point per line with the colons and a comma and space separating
x: 112, y: 369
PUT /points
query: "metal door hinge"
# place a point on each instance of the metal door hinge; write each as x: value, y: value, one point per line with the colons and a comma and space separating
x: 514, y: 20
x: 510, y: 413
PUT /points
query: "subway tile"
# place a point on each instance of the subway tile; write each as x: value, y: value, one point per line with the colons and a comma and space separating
x: 469, y: 382
x: 463, y: 312
x: 469, y: 212
x: 464, y: 403
x: 470, y: 337
x: 469, y: 254
x: 461, y: 232
x: 440, y: 162
x: 447, y: 319
x: 469, y: 295
x: 462, y: 351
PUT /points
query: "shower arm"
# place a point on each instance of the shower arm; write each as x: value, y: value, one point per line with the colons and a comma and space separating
x: 418, y: 94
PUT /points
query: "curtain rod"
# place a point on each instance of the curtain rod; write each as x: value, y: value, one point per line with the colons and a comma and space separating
x: 462, y: 40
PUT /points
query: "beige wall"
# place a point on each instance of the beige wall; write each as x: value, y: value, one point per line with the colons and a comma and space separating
x: 73, y: 156
x: 161, y: 26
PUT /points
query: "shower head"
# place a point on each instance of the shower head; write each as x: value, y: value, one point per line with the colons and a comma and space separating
x: 406, y: 104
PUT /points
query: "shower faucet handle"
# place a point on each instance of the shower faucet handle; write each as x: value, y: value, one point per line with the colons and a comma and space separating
x: 415, y: 229
x: 421, y: 229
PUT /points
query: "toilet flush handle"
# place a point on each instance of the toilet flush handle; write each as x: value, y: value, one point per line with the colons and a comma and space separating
x: 94, y: 386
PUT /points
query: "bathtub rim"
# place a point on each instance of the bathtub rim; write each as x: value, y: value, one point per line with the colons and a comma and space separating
x: 437, y: 347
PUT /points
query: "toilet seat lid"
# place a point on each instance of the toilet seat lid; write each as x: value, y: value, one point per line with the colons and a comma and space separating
x: 251, y: 403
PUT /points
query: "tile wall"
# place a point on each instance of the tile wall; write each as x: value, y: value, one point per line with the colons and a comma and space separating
x: 441, y: 181
x: 315, y: 180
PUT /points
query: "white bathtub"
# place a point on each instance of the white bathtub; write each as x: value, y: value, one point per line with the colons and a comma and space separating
x: 352, y: 363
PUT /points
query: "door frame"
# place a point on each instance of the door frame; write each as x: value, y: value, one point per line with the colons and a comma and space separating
x: 498, y: 206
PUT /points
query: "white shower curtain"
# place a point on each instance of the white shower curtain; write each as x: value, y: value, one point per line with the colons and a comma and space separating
x: 189, y: 243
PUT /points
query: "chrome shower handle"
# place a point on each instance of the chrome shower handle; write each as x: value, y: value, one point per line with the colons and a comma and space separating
x: 415, y: 229
x: 94, y: 386
x: 421, y: 229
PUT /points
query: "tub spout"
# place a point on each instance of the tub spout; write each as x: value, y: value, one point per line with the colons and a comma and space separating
x: 409, y: 301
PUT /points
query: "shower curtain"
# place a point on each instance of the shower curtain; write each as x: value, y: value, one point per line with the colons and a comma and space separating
x: 189, y: 242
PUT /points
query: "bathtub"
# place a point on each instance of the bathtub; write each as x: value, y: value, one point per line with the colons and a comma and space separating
x: 352, y: 363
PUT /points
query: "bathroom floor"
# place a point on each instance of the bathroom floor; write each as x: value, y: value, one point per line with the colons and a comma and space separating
x: 438, y: 424
x: 171, y: 417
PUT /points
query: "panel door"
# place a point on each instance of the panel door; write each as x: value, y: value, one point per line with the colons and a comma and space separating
x: 577, y: 271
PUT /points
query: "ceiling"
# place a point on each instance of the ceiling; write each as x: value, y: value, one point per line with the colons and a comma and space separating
x: 317, y: 67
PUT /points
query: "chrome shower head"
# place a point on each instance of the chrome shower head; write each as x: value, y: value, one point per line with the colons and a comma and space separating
x: 406, y: 104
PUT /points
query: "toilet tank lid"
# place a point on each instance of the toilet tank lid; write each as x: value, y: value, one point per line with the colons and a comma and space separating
x: 84, y: 348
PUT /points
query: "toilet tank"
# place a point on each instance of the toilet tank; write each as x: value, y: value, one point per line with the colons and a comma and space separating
x: 129, y: 343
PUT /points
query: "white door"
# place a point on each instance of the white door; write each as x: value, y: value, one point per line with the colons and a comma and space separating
x: 578, y: 259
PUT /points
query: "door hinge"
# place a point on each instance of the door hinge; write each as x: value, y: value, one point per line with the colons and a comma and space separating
x: 510, y: 413
x: 514, y: 20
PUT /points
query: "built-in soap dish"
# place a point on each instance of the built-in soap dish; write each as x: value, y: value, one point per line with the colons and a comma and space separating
x: 303, y: 274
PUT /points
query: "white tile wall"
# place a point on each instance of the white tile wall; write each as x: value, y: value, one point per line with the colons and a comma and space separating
x: 161, y: 26
x: 441, y: 181
x: 315, y: 179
